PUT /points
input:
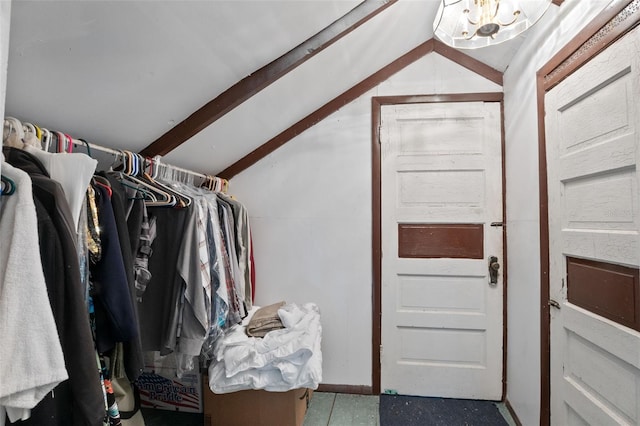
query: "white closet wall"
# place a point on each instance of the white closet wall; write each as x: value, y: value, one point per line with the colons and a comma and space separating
x: 310, y: 207
x: 5, y: 21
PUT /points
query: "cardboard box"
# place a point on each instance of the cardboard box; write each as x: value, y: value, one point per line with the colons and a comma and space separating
x: 256, y: 407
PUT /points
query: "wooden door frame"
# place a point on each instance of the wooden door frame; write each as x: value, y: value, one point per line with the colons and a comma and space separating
x: 376, y: 190
x: 616, y: 20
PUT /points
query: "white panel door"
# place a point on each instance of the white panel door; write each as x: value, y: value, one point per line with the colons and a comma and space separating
x: 442, y: 320
x: 592, y: 140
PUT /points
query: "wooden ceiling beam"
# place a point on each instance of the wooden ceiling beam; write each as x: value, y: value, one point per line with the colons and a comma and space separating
x: 468, y: 62
x: 255, y: 82
x: 356, y: 91
x: 327, y: 109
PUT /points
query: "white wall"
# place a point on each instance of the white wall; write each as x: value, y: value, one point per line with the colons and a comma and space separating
x: 5, y: 21
x: 307, y: 87
x: 523, y: 226
x: 310, y: 208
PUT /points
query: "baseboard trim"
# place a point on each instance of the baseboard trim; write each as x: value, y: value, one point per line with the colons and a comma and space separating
x: 514, y: 416
x: 352, y: 389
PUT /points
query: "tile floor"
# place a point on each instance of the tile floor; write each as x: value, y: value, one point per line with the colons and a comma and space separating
x: 331, y: 409
x: 325, y: 409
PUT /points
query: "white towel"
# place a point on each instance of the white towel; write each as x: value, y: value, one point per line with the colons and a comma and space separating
x: 31, y: 360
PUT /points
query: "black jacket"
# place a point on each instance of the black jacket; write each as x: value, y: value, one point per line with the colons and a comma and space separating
x: 115, y: 316
x: 79, y: 400
x: 133, y: 356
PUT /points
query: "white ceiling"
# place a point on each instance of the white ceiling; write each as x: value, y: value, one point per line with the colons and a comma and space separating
x: 122, y: 73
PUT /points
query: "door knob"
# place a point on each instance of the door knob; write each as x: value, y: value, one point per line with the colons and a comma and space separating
x: 494, y: 267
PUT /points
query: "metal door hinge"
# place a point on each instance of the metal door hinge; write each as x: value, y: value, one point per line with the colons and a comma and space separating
x: 554, y: 304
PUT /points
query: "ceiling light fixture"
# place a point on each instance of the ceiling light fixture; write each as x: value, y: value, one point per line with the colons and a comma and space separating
x: 471, y: 24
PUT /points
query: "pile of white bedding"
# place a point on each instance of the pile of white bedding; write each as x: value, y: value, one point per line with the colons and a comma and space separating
x: 282, y: 360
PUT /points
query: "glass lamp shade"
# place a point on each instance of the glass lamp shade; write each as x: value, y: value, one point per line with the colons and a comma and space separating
x: 471, y: 24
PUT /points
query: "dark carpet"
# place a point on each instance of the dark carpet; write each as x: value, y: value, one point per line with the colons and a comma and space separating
x: 153, y: 417
x: 397, y: 410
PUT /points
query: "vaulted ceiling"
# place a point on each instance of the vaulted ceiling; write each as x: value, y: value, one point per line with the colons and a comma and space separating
x: 124, y: 73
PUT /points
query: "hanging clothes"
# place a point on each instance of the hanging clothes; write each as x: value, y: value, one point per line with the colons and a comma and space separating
x: 115, y: 317
x: 193, y: 268
x: 243, y: 246
x: 158, y: 323
x: 171, y: 274
x: 229, y: 264
x: 135, y: 212
x: 79, y: 400
x: 31, y: 358
x: 220, y: 281
x: 133, y: 359
x: 72, y: 171
x: 252, y: 268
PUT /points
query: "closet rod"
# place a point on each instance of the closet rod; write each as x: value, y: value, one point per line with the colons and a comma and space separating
x: 115, y: 152
x: 119, y: 153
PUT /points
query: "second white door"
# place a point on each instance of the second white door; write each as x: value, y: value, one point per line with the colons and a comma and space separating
x: 593, y: 155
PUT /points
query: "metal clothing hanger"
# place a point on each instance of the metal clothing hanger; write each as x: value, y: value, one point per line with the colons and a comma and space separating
x: 29, y: 127
x: 162, y: 197
x: 31, y: 135
x: 8, y: 185
x: 61, y: 142
x: 46, y: 139
x: 130, y: 167
x: 15, y: 135
x: 6, y: 133
x: 207, y: 183
x: 181, y: 199
x: 156, y: 169
x: 38, y: 132
x: 69, y: 140
x: 100, y: 181
x: 88, y: 147
x: 134, y: 164
x: 184, y: 200
x: 146, y: 195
